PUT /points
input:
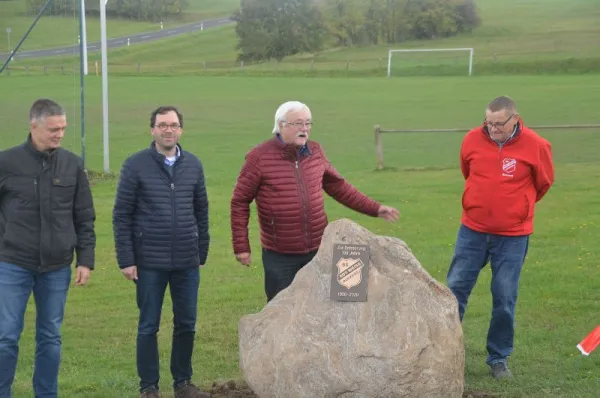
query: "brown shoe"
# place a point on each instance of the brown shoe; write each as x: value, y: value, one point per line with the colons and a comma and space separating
x: 149, y: 394
x: 188, y: 390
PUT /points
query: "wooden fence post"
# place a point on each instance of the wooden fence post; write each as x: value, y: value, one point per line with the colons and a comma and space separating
x: 379, y: 147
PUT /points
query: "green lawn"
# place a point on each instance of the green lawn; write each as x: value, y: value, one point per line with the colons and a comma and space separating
x: 54, y: 31
x: 225, y: 117
x: 516, y: 37
x: 213, y: 7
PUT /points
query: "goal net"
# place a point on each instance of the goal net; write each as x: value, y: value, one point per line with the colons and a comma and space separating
x: 430, y: 62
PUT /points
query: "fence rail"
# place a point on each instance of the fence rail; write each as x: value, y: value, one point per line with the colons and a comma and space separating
x: 379, y: 131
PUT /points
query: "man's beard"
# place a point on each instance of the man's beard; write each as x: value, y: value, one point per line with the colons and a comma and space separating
x: 169, y: 146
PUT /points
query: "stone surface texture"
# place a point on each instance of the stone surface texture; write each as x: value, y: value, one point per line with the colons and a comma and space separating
x: 405, y: 341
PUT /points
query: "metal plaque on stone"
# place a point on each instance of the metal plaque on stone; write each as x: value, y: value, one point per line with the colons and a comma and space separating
x: 350, y: 272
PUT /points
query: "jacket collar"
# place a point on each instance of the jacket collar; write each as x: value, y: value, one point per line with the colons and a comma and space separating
x: 291, y: 149
x: 39, y: 154
x: 513, y: 137
x: 162, y: 158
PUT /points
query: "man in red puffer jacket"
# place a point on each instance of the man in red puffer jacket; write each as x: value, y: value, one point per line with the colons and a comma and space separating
x: 286, y: 175
x: 507, y: 169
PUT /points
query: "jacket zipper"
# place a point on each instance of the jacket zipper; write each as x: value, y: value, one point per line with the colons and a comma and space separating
x: 173, y: 223
x: 303, y: 200
x: 499, y: 181
x: 173, y: 212
x: 49, y: 217
x: 35, y: 199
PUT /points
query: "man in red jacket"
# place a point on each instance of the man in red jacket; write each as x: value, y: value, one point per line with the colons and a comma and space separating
x: 508, y: 169
x: 286, y: 175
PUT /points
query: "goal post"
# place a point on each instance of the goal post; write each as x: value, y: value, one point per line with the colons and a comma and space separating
x: 391, y: 52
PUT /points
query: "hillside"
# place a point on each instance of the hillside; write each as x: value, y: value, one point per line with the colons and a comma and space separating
x: 52, y: 31
x: 515, y: 37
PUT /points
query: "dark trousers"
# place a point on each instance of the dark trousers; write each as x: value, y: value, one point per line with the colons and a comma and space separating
x: 151, y: 287
x: 506, y: 255
x: 280, y: 269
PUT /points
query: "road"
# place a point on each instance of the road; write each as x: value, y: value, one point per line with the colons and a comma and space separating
x: 116, y: 42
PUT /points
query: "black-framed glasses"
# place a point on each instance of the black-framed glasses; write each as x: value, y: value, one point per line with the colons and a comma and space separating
x: 498, y: 124
x: 165, y: 126
x: 300, y: 124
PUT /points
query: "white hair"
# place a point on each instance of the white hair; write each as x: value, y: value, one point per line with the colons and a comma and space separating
x: 284, y: 109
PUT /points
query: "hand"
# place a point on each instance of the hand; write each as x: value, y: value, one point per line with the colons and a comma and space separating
x: 388, y: 213
x: 82, y: 275
x: 130, y: 273
x: 201, y: 265
x: 244, y: 258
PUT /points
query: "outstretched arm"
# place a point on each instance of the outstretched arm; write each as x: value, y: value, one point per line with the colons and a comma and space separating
x: 342, y: 191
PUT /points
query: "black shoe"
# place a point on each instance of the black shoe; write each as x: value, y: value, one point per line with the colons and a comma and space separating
x: 188, y: 390
x: 149, y: 393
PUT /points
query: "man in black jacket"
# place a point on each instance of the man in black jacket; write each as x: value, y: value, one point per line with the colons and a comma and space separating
x: 160, y: 222
x: 46, y: 214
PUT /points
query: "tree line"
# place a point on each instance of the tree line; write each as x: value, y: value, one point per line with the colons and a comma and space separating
x: 142, y: 10
x: 274, y: 29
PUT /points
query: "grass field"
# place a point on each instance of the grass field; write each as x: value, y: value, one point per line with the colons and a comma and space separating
x: 516, y: 37
x: 225, y: 117
x: 55, y: 31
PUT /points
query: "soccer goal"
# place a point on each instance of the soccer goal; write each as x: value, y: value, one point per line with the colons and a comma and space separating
x: 428, y: 50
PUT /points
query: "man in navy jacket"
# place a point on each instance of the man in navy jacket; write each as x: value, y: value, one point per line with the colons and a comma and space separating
x: 160, y: 222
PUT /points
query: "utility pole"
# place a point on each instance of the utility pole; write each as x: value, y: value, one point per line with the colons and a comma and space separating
x: 104, y: 84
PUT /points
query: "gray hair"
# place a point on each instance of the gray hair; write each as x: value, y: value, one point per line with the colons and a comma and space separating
x: 284, y: 109
x: 43, y: 108
x: 502, y: 103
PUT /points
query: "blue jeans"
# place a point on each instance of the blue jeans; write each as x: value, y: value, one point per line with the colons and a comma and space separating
x: 50, y: 294
x: 151, y: 287
x: 506, y: 255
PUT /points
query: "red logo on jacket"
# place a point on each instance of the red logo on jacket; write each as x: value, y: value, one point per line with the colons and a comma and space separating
x: 509, y: 165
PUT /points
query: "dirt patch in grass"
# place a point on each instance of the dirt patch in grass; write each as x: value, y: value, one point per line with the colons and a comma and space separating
x: 240, y: 389
x: 232, y: 389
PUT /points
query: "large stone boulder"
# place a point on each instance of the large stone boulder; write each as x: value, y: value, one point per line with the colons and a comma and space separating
x: 406, y: 340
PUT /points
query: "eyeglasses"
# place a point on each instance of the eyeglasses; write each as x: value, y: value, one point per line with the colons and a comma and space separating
x: 498, y: 124
x: 165, y: 126
x: 300, y: 124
